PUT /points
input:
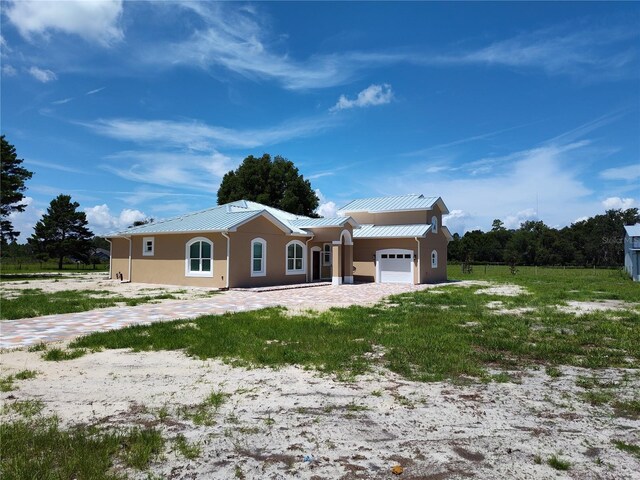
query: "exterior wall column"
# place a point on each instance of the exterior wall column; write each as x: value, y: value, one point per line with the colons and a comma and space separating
x: 348, y: 264
x: 336, y: 267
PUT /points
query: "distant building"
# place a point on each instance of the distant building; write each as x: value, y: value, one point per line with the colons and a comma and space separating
x: 632, y: 251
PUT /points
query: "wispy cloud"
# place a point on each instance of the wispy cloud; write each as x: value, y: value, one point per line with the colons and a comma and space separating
x: 95, y: 21
x: 577, y: 49
x: 42, y: 75
x: 629, y: 173
x: 9, y: 70
x: 199, y: 136
x: 62, y: 101
x: 56, y: 166
x: 181, y: 170
x: 93, y: 92
x: 370, y: 96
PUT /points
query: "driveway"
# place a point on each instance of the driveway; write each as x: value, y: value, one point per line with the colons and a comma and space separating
x: 51, y: 328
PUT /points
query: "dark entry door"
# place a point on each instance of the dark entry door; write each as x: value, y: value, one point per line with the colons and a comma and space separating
x: 316, y: 266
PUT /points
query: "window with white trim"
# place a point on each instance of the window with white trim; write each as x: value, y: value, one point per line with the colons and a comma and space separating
x: 434, y: 224
x: 258, y: 257
x: 326, y: 254
x: 295, y: 257
x: 199, y: 258
x: 148, y: 244
x: 434, y: 259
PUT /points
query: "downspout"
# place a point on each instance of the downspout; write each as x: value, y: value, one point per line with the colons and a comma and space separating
x: 110, y: 256
x: 307, y: 252
x: 419, y: 271
x: 226, y: 235
x: 130, y: 250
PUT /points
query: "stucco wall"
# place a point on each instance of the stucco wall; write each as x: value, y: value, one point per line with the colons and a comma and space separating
x: 276, y: 266
x: 364, y: 253
x: 167, y: 265
x: 119, y: 257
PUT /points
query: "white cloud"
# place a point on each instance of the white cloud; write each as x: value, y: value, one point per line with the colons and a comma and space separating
x: 93, y: 92
x: 539, y: 179
x: 193, y: 171
x: 62, y: 101
x: 9, y: 71
x: 514, y: 221
x: 326, y: 208
x: 102, y: 221
x: 372, y: 95
x: 95, y: 20
x: 569, y: 49
x: 615, y: 203
x: 24, y: 221
x: 194, y: 135
x: 41, y: 75
x: 456, y: 221
x: 628, y: 173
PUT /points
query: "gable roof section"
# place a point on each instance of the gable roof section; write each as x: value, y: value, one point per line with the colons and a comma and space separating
x: 391, y: 231
x: 633, y: 230
x: 324, y: 222
x: 394, y: 204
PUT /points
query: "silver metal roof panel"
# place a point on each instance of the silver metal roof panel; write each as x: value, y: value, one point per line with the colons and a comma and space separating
x: 633, y: 230
x: 393, y: 203
x: 391, y: 231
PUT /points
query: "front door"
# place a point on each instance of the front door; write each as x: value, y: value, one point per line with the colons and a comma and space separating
x: 316, y: 266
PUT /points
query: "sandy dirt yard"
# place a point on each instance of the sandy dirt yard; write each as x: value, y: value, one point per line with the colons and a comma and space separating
x: 272, y: 420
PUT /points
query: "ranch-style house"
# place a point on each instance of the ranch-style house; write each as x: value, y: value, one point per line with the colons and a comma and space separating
x: 397, y: 239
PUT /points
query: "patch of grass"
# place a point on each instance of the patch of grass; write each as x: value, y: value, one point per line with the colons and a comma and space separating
x: 204, y: 413
x: 628, y: 447
x: 141, y: 446
x: 26, y: 374
x: 597, y: 397
x: 188, y: 450
x: 557, y: 463
x: 58, y: 354
x: 421, y: 339
x: 627, y: 408
x: 26, y: 408
x: 39, y: 448
x: 33, y: 302
x: 38, y: 347
x: 553, y: 371
x: 354, y: 407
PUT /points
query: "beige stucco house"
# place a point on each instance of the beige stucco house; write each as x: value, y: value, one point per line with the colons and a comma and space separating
x: 246, y: 244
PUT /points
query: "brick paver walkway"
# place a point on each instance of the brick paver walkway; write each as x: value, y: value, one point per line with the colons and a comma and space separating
x: 29, y: 331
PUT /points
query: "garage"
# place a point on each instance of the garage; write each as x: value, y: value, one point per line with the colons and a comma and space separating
x: 394, y: 266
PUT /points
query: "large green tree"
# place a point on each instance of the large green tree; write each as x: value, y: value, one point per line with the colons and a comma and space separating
x: 12, y: 188
x: 274, y: 182
x: 63, y: 231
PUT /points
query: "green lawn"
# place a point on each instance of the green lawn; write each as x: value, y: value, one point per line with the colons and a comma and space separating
x: 424, y: 336
x: 9, y: 267
x: 33, y: 302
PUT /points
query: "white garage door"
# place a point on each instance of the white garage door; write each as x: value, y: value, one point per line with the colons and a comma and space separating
x: 394, y: 266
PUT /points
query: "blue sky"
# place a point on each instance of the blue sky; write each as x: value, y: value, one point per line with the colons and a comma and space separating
x: 507, y: 110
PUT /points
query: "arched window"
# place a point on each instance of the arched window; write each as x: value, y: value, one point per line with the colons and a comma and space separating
x: 434, y: 224
x: 295, y: 258
x: 258, y: 257
x: 434, y: 259
x: 199, y: 258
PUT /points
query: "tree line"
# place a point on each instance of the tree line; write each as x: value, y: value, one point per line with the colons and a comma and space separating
x: 596, y: 241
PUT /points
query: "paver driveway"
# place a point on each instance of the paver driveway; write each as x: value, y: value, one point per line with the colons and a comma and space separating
x: 29, y: 331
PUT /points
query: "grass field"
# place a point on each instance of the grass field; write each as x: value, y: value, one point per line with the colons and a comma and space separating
x: 428, y: 335
x: 49, y: 266
x: 457, y: 333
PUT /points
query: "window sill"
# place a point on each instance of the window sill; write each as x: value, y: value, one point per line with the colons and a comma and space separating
x: 296, y: 272
x: 199, y: 274
x: 258, y: 274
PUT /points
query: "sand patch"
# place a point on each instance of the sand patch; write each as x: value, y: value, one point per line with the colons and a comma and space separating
x: 583, y: 308
x: 505, y: 290
x: 273, y: 419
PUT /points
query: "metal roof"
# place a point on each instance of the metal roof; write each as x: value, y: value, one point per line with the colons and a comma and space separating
x: 633, y: 230
x: 395, y: 203
x: 322, y: 222
x: 219, y: 219
x: 391, y: 231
